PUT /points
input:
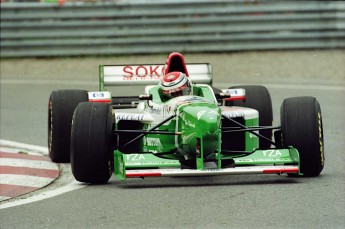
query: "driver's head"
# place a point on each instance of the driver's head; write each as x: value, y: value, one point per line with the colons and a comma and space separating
x: 176, y: 84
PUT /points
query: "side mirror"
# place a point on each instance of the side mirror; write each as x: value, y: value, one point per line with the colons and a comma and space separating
x: 220, y: 96
x: 235, y: 94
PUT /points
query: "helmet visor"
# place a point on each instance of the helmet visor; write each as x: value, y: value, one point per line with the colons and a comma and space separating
x: 185, y: 90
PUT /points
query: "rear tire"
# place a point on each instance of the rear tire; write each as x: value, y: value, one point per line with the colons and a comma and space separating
x: 60, y: 110
x: 302, y: 128
x: 258, y: 98
x: 91, y: 151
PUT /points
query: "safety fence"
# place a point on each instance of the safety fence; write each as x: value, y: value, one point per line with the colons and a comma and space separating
x: 140, y: 27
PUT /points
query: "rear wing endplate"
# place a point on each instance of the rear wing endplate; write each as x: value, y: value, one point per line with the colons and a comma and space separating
x: 126, y: 75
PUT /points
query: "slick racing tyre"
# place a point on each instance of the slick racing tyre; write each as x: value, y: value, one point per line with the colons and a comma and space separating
x: 301, y: 123
x: 60, y: 110
x: 258, y: 98
x: 91, y: 151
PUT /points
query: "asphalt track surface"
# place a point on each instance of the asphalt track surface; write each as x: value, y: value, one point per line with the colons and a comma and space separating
x: 256, y: 201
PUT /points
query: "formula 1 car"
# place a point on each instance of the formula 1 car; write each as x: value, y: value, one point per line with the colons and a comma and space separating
x: 210, y: 132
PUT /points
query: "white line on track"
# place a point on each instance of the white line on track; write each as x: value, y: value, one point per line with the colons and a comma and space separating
x: 46, y: 195
x: 2, y: 198
x: 74, y: 185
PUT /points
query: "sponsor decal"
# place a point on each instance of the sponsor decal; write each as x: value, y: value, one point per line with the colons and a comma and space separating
x: 273, y: 160
x: 134, y: 117
x: 121, y: 167
x: 155, y: 110
x: 322, y: 154
x: 153, y: 142
x: 234, y: 114
x: 211, y: 114
x: 142, y: 72
x: 214, y: 113
x: 167, y: 109
x: 200, y: 114
x: 135, y: 157
x: 99, y: 96
x: 269, y: 160
x: 271, y: 153
x: 190, y: 124
x: 235, y: 92
x: 187, y: 138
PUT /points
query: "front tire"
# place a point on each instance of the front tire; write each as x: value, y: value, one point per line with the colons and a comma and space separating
x: 301, y: 123
x: 60, y: 110
x: 91, y: 151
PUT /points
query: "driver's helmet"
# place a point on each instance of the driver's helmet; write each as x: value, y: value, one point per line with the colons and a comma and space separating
x: 176, y: 84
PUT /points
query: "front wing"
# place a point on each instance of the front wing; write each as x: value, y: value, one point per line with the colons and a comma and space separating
x: 273, y: 161
x: 209, y: 172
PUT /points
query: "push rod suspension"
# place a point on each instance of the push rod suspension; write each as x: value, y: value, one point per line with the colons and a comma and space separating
x: 250, y: 130
x: 148, y: 131
x: 239, y: 129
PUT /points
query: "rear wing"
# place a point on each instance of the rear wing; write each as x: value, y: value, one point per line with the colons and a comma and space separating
x: 126, y: 75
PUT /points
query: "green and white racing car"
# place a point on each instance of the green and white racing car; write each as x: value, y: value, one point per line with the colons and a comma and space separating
x: 210, y: 132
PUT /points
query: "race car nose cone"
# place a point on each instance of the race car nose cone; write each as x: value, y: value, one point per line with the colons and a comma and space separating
x: 200, y: 121
x: 208, y: 121
x: 201, y: 117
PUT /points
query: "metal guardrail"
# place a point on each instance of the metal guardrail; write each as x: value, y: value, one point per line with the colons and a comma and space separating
x: 135, y: 27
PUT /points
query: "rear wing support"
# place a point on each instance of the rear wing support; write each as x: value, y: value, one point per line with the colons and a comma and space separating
x: 127, y: 75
